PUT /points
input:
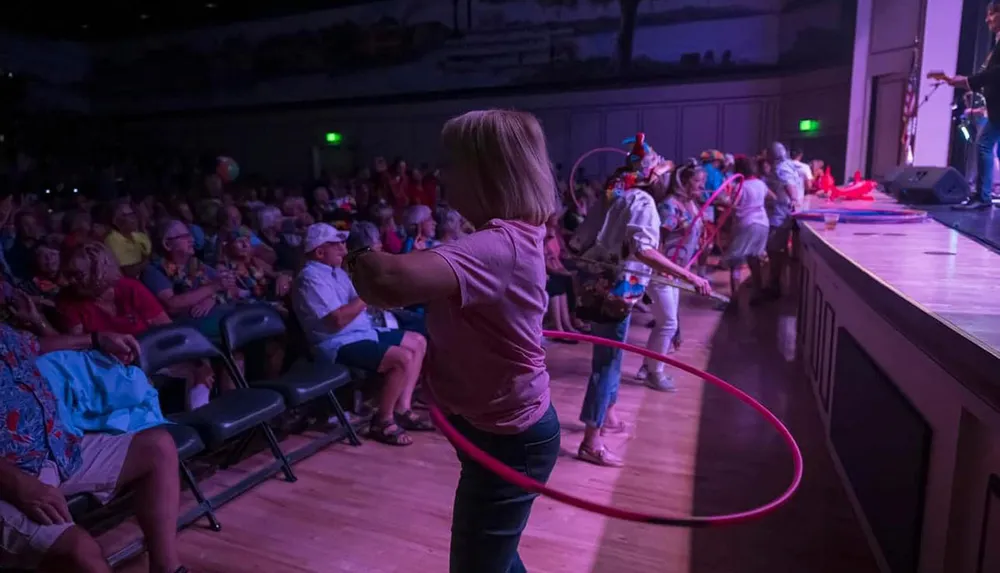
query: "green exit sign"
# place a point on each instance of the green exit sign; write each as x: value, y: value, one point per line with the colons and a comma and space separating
x: 334, y: 138
x: 808, y: 125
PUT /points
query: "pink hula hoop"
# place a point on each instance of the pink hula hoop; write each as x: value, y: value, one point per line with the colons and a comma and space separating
x: 732, y: 180
x: 510, y: 475
x: 572, y: 172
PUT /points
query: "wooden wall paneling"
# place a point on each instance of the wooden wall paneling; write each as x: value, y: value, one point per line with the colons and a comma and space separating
x: 742, y: 127
x: 828, y: 353
x: 816, y: 332
x: 586, y: 133
x: 699, y: 129
x: 556, y: 124
x: 619, y: 124
x: 989, y: 541
x: 660, y: 123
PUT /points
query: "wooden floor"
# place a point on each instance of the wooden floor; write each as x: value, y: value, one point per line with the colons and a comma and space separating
x: 936, y: 267
x: 377, y: 509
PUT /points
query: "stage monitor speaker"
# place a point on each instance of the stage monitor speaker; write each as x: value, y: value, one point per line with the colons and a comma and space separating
x: 927, y: 185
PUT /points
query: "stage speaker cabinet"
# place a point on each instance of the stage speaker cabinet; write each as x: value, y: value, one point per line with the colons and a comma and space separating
x: 927, y: 185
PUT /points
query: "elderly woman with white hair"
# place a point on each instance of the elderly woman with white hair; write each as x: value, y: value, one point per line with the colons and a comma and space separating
x: 420, y: 229
x: 451, y: 227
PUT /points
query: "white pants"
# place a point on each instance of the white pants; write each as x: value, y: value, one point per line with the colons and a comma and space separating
x: 666, y: 302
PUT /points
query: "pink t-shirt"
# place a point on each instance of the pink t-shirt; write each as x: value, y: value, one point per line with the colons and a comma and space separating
x: 486, y: 358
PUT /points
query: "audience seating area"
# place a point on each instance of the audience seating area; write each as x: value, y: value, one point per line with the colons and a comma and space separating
x: 232, y: 420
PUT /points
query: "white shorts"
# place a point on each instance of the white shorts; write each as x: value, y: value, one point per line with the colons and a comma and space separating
x: 24, y: 542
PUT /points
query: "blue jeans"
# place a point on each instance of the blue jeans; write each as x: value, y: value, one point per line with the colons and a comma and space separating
x: 490, y: 513
x: 986, y: 148
x: 605, y: 373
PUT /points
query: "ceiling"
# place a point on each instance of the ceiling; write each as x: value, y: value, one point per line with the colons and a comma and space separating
x: 117, y: 19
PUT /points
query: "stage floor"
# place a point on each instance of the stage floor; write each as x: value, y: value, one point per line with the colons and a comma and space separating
x: 982, y: 226
x: 934, y: 265
x: 377, y: 509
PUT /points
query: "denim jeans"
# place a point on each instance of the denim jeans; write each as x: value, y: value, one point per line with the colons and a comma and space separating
x: 986, y: 149
x: 605, y: 373
x: 490, y: 513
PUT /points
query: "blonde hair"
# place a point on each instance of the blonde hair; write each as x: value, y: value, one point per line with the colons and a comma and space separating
x: 505, y: 164
x: 96, y: 264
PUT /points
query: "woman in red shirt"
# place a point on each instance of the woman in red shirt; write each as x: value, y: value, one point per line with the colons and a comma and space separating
x: 100, y: 299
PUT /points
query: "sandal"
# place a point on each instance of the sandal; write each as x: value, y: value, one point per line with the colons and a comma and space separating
x: 599, y: 457
x: 389, y: 433
x: 412, y: 422
x: 612, y: 429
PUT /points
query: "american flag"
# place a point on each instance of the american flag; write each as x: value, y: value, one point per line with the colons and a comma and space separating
x: 910, y: 109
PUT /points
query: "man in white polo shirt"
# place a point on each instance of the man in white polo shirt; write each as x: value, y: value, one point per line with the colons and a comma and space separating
x: 337, y: 325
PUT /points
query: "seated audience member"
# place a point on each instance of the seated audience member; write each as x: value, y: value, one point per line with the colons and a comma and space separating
x: 451, y: 227
x: 255, y: 278
x: 29, y: 234
x: 231, y: 221
x: 339, y: 328
x: 47, y: 280
x: 99, y: 299
x: 420, y: 229
x: 385, y: 217
x: 559, y: 284
x: 288, y: 257
x: 42, y: 462
x: 323, y: 205
x: 183, y: 212
x: 189, y: 290
x: 130, y: 245
x: 77, y: 226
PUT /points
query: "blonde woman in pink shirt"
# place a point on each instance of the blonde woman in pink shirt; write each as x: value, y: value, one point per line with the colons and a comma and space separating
x: 485, y: 299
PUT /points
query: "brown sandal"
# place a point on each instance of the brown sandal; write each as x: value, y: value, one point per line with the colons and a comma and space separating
x: 389, y: 433
x: 410, y: 421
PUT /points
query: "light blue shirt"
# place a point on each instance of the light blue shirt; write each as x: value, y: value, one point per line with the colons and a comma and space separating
x: 319, y: 290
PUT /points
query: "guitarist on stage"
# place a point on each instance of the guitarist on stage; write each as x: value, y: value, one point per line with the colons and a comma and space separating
x: 987, y: 81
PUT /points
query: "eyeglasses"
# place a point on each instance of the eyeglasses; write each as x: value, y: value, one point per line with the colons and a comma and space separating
x: 184, y: 236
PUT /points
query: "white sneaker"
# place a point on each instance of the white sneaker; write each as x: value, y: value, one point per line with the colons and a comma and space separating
x: 642, y: 374
x: 660, y: 382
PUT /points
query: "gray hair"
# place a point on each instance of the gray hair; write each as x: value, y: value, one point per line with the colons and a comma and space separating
x: 269, y: 217
x: 451, y: 222
x: 363, y: 235
x: 778, y: 151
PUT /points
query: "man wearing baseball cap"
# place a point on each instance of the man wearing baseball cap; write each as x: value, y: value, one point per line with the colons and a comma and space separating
x: 337, y: 324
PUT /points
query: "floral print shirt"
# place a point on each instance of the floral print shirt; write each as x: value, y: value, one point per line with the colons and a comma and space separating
x: 677, y: 223
x: 32, y: 432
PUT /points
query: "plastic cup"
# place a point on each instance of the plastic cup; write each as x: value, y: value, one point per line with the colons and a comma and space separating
x: 830, y: 220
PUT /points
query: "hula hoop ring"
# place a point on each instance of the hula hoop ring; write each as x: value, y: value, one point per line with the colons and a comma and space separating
x: 511, y: 476
x: 870, y: 216
x: 709, y: 238
x: 572, y: 171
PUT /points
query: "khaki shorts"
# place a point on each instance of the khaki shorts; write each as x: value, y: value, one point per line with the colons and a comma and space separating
x: 23, y: 542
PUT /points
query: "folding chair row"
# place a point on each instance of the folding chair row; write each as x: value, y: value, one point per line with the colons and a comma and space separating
x: 251, y: 405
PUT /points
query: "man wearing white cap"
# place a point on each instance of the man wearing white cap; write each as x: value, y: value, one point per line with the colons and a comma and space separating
x: 337, y: 324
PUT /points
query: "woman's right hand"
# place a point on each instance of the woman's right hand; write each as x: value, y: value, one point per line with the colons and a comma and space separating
x: 701, y: 284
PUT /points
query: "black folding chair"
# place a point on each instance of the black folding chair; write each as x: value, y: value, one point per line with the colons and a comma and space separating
x: 304, y: 381
x: 231, y: 413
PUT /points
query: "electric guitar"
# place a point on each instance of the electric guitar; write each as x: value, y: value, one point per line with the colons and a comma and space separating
x: 939, y: 76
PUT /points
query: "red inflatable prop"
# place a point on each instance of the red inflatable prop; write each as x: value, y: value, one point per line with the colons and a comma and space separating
x: 858, y: 190
x: 524, y: 482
